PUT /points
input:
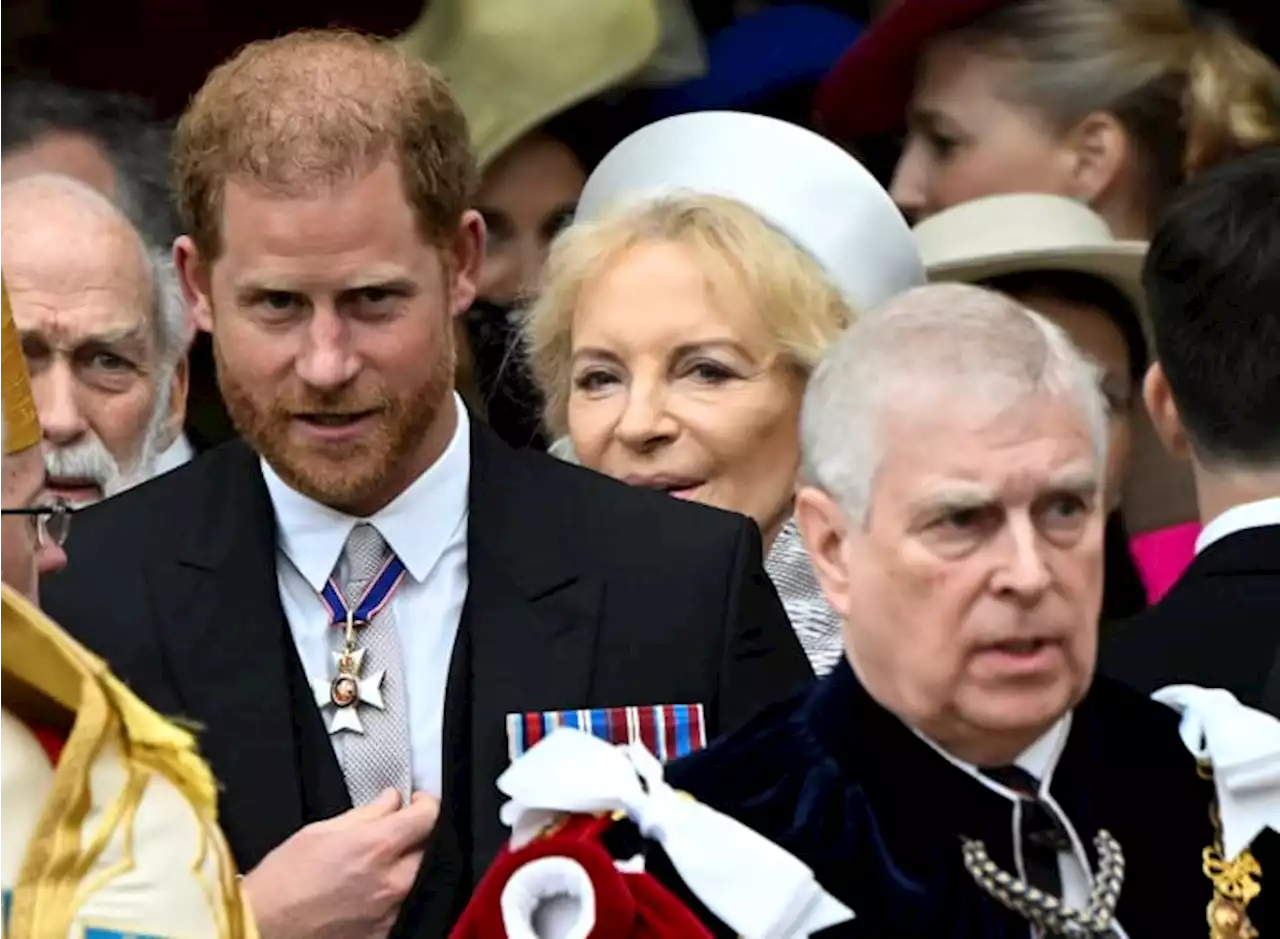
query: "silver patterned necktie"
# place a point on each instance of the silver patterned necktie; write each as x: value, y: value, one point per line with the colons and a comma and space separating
x: 379, y: 758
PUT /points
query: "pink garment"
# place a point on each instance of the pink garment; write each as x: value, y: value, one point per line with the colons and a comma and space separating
x: 1162, y: 556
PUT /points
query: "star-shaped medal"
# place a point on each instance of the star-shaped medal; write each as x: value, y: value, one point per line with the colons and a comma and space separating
x: 346, y: 691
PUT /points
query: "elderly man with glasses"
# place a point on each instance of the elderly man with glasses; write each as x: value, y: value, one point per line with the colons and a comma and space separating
x: 66, y: 720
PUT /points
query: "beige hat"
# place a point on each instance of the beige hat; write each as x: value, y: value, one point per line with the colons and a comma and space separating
x: 1026, y: 232
x: 514, y: 64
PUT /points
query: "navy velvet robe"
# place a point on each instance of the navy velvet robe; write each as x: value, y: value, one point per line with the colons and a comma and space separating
x: 879, y: 814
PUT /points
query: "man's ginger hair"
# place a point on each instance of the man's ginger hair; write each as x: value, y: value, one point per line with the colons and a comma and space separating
x: 312, y: 110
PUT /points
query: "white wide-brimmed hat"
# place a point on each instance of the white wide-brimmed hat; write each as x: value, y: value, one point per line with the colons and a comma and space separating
x: 808, y: 188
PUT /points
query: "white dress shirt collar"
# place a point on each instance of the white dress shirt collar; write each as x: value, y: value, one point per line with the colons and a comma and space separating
x: 418, y: 524
x: 1040, y: 759
x: 1257, y: 514
x: 178, y: 453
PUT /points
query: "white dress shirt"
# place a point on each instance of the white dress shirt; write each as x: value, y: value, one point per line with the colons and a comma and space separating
x: 426, y: 526
x: 1257, y: 514
x: 1040, y: 760
x: 175, y: 455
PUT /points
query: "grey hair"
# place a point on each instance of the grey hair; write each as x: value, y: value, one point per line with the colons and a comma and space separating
x: 170, y: 318
x: 951, y: 342
x: 135, y: 143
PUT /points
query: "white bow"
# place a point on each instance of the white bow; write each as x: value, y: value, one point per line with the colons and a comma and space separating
x: 1243, y: 746
x: 754, y: 887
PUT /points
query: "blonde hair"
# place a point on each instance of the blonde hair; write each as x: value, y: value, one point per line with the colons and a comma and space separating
x: 1188, y: 90
x: 800, y: 307
x: 316, y: 108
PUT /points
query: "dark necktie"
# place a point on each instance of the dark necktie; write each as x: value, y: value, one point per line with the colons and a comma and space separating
x: 1041, y: 835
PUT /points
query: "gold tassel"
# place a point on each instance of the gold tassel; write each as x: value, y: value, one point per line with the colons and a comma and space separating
x: 1236, y: 881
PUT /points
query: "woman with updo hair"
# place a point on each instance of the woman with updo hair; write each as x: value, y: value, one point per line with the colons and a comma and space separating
x: 1112, y: 103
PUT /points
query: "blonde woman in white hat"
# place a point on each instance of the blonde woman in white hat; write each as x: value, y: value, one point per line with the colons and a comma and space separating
x: 1058, y: 257
x: 703, y: 279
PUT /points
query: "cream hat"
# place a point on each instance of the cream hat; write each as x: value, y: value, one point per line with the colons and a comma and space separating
x: 1024, y: 232
x: 514, y: 64
x: 804, y: 185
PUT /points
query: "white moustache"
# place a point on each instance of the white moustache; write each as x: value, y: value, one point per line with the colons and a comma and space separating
x: 88, y: 460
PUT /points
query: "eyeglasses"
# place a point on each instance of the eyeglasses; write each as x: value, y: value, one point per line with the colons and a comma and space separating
x: 52, y: 522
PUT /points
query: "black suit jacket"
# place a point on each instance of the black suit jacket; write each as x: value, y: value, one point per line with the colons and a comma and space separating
x: 1219, y: 626
x: 582, y: 593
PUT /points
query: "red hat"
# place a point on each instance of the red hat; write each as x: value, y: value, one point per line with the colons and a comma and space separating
x: 868, y: 90
x: 557, y: 877
x: 569, y: 879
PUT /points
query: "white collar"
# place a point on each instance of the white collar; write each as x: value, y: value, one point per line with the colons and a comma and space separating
x: 1040, y: 759
x: 177, y: 453
x: 418, y: 524
x: 1238, y: 518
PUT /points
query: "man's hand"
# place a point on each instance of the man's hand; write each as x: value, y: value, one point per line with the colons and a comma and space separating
x: 345, y: 877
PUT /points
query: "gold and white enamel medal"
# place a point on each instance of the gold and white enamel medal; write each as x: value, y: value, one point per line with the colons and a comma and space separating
x: 342, y: 696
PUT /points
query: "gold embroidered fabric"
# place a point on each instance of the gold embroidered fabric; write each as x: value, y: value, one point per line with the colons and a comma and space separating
x: 126, y: 840
x: 21, y: 424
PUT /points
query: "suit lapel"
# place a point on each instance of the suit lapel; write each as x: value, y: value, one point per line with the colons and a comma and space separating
x: 235, y: 664
x: 531, y: 615
x: 525, y: 642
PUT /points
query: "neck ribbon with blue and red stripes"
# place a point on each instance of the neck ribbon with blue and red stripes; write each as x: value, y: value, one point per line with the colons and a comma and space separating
x: 375, y: 597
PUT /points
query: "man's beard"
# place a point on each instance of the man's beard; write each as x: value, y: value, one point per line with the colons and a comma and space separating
x: 344, y: 475
x: 90, y: 460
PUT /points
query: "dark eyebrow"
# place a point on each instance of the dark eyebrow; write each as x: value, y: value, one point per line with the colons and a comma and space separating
x: 251, y: 292
x: 558, y: 218
x: 396, y: 286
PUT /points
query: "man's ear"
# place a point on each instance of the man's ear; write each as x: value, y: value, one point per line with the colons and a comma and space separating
x: 825, y: 531
x: 193, y: 276
x: 468, y: 259
x: 1158, y: 397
